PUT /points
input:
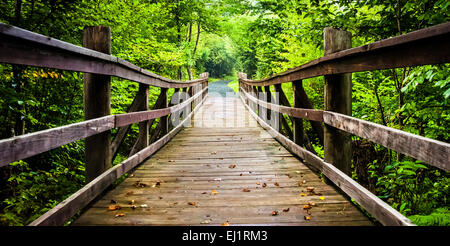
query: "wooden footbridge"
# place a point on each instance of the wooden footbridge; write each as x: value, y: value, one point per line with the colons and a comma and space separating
x: 223, y: 160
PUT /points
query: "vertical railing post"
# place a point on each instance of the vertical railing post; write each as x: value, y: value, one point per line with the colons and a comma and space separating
x: 143, y: 139
x: 254, y: 93
x: 268, y: 99
x: 164, y: 119
x: 261, y: 109
x: 204, y: 84
x: 189, y: 95
x: 243, y: 85
x: 337, y: 98
x: 298, y: 123
x: 97, y: 103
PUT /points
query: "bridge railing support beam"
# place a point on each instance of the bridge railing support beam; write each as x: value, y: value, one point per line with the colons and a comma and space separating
x: 268, y: 97
x: 297, y: 122
x: 165, y: 119
x: 143, y: 137
x: 97, y: 103
x: 337, y: 98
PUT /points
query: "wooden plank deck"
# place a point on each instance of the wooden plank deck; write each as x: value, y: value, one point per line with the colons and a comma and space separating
x: 199, y: 178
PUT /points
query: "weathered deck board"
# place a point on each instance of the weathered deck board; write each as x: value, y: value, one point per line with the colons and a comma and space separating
x: 197, y: 161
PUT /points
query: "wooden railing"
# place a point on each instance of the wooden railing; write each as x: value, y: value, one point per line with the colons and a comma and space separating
x: 21, y: 47
x: 423, y: 47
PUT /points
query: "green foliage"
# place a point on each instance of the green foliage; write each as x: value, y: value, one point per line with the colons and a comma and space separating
x: 411, y: 187
x: 180, y: 39
x: 215, y: 56
x: 439, y: 217
x: 35, y: 190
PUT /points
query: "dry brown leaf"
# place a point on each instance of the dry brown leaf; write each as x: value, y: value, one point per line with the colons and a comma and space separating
x: 300, y: 183
x: 245, y: 190
x: 240, y: 174
x: 310, y: 189
x: 286, y: 210
x: 129, y: 193
x: 264, y: 185
x: 192, y: 203
x: 232, y: 166
x: 274, y: 213
x: 114, y: 207
x: 138, y: 184
x: 276, y: 184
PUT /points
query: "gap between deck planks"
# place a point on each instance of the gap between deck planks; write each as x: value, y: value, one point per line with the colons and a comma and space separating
x: 197, y: 161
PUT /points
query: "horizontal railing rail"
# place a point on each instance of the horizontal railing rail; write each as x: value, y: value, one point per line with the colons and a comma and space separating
x: 422, y: 47
x: 433, y: 152
x: 22, y: 47
x: 24, y: 146
x: 309, y: 114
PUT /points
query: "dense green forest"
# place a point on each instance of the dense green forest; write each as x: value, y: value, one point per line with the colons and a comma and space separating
x: 180, y: 39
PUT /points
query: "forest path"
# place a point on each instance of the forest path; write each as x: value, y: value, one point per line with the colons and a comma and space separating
x: 220, y: 88
x: 225, y: 168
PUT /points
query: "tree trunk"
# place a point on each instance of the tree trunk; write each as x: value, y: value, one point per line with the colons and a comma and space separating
x: 189, y: 72
x: 198, y: 37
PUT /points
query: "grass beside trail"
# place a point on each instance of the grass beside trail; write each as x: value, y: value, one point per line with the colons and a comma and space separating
x: 234, y: 84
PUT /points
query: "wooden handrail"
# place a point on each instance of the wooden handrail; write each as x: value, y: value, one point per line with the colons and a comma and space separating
x: 310, y: 114
x: 374, y: 205
x: 22, y: 47
x: 433, y: 152
x: 69, y: 207
x: 422, y: 47
x: 21, y: 147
